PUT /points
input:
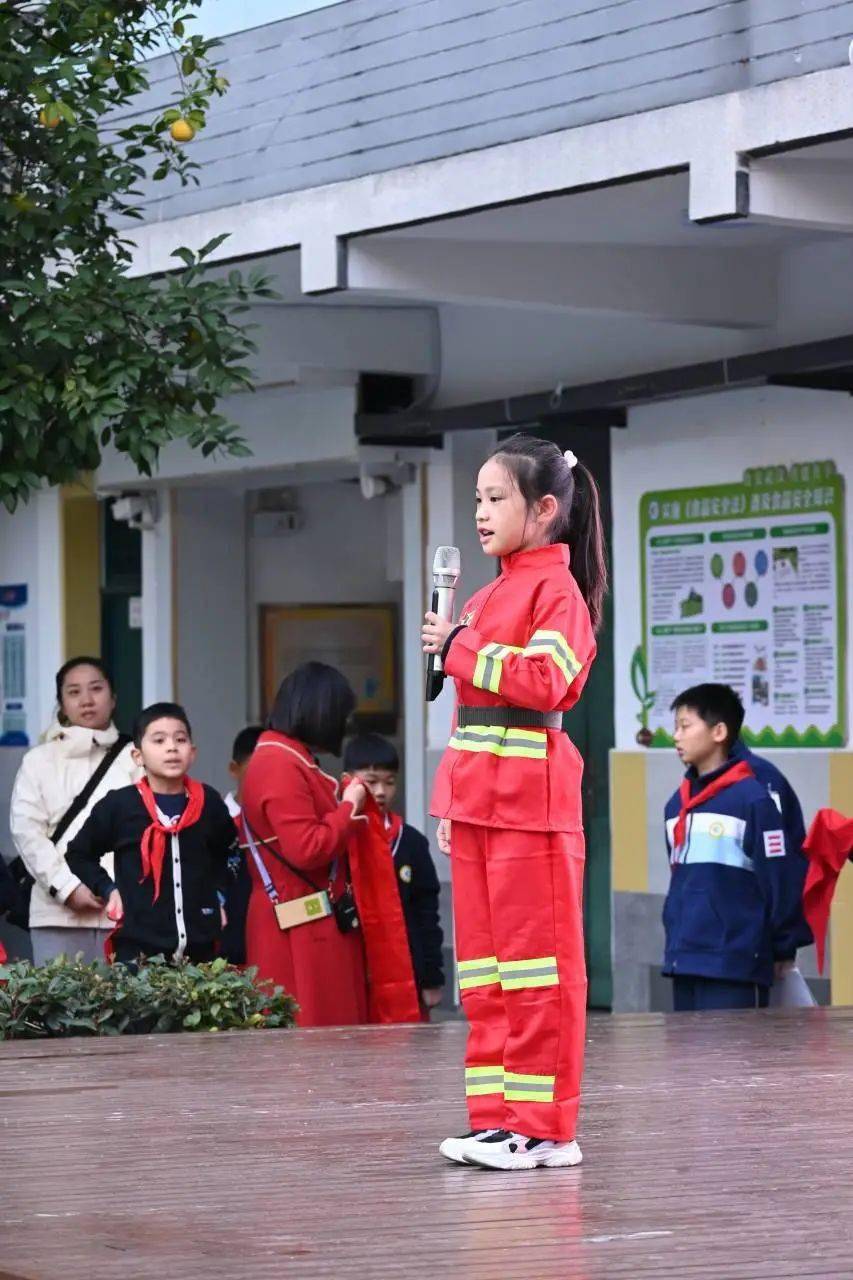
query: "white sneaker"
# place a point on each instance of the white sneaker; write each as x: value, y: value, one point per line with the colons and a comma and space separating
x: 504, y: 1150
x: 455, y: 1148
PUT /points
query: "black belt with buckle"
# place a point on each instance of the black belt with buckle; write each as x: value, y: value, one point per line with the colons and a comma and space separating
x: 509, y: 717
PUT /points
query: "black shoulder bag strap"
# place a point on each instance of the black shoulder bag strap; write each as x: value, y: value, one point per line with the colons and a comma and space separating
x: 78, y: 804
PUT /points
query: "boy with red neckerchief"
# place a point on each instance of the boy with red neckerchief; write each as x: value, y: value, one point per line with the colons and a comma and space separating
x: 733, y: 914
x: 170, y: 837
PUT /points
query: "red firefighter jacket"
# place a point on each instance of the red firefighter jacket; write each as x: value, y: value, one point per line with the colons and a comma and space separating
x: 526, y: 641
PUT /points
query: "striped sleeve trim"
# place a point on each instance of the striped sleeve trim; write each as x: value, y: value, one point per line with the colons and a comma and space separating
x: 557, y: 648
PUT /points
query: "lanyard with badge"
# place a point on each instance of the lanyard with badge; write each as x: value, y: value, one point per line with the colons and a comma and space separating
x: 313, y: 906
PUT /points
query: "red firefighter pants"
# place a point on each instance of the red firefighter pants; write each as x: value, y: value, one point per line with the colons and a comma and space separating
x: 518, y: 907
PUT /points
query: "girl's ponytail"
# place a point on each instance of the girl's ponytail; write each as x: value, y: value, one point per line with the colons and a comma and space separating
x: 539, y: 467
x: 585, y: 536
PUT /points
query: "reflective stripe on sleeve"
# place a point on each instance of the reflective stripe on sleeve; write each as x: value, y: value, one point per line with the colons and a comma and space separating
x: 517, y: 975
x: 555, y: 645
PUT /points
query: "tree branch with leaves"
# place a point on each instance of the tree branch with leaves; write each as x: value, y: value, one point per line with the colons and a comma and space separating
x: 90, y: 355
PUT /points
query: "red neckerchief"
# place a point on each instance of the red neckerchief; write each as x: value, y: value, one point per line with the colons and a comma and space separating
x: 154, y: 836
x: 393, y: 825
x: 737, y: 773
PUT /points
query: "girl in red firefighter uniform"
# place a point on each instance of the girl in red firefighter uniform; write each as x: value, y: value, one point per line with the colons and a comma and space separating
x: 508, y: 793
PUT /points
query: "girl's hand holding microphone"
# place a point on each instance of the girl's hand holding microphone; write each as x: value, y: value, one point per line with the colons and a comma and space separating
x: 435, y: 632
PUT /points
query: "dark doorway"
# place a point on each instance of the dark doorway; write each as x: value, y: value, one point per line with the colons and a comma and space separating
x: 121, y: 624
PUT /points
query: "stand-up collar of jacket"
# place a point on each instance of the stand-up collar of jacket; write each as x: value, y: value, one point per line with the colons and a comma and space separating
x: 699, y: 782
x: 555, y: 553
x: 77, y: 740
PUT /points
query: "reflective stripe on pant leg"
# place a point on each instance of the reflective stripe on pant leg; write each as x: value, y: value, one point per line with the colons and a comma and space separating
x: 480, y: 1081
x: 535, y: 891
x: 479, y: 979
x: 521, y: 1088
x: 539, y: 972
x: 477, y: 973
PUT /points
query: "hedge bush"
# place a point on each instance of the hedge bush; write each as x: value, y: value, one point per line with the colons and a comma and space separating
x: 70, y: 998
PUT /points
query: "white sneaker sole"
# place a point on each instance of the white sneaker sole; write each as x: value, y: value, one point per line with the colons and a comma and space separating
x: 508, y: 1161
x: 454, y: 1149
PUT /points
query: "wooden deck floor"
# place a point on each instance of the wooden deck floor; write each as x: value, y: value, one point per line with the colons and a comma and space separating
x: 717, y: 1146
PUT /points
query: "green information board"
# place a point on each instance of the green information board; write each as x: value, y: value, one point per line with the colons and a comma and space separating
x: 744, y: 584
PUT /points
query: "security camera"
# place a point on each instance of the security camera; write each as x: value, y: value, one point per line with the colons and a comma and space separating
x: 374, y: 486
x: 137, y: 510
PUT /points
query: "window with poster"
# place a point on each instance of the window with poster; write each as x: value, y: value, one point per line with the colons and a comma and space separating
x: 357, y: 639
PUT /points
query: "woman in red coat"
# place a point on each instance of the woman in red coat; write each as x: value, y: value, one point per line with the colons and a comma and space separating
x: 300, y: 828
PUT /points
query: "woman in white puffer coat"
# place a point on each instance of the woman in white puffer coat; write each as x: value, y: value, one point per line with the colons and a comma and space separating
x: 65, y: 917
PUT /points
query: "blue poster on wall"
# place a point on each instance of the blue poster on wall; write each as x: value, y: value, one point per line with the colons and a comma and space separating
x: 14, y: 599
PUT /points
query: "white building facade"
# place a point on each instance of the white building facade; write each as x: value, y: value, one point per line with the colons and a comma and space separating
x: 626, y: 225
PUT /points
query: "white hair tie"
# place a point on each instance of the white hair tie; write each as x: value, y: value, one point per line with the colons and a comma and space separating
x: 571, y: 460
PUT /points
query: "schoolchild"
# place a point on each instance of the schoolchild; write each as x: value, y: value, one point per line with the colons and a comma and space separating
x: 508, y: 794
x: 239, y: 885
x: 374, y: 761
x: 733, y: 913
x: 171, y: 836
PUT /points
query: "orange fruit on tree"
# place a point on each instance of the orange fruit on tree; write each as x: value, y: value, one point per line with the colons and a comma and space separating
x: 49, y: 121
x: 182, y: 131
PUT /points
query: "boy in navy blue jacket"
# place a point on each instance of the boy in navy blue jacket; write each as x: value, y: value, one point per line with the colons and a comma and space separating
x: 733, y: 913
x: 373, y: 759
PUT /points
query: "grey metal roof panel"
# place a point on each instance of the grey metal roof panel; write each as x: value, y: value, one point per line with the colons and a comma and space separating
x: 369, y: 85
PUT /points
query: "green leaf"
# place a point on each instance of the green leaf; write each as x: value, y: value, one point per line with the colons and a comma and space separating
x: 213, y: 244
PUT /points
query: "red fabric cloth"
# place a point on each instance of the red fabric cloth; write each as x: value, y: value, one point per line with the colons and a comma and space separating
x: 828, y: 845
x: 154, y: 838
x: 737, y: 773
x: 392, y: 990
x: 286, y: 795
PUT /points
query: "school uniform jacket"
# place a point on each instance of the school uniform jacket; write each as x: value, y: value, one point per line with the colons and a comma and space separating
x: 419, y: 893
x: 526, y: 641
x: 734, y: 900
x: 188, y: 902
x: 781, y: 793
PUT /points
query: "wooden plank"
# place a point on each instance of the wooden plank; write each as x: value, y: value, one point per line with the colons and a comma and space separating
x: 715, y: 1146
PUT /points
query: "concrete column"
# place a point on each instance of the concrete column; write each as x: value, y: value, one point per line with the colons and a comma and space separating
x: 158, y: 680
x: 211, y: 621
x: 414, y: 596
x: 48, y: 605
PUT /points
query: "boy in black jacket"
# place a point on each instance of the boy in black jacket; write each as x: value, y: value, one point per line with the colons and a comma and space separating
x: 170, y: 836
x: 374, y: 761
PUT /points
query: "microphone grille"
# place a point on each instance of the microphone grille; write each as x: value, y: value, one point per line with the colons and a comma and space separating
x: 447, y: 561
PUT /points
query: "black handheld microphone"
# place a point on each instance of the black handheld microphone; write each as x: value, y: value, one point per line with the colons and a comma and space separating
x: 445, y: 574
